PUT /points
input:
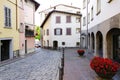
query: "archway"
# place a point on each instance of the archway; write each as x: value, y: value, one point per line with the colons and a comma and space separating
x: 113, y: 44
x: 92, y: 41
x: 99, y: 43
x: 55, y: 44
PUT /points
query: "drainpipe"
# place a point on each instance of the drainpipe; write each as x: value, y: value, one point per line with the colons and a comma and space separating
x: 16, y: 16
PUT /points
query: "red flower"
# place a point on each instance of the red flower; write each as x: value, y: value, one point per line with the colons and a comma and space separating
x: 104, y: 65
x: 80, y: 51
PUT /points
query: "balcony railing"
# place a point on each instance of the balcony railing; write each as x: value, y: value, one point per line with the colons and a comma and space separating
x: 29, y: 33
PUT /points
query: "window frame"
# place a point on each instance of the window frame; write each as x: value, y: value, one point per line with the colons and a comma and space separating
x: 68, y: 31
x: 56, y: 32
x: 58, y: 19
x: 7, y: 17
x: 68, y: 19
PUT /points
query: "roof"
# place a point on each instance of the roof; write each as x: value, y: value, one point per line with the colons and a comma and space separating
x: 36, y: 4
x: 57, y: 12
x: 60, y: 5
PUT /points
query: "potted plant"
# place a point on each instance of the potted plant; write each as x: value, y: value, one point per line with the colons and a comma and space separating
x: 80, y: 52
x: 104, y: 67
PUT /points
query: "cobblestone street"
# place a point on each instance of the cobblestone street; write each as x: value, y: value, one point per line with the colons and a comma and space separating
x: 43, y: 65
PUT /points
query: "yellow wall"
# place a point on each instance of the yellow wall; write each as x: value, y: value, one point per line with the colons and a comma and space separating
x: 9, y: 32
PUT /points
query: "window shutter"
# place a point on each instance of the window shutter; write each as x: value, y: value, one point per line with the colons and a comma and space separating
x: 60, y: 31
x: 54, y: 31
x: 5, y: 15
x: 9, y: 10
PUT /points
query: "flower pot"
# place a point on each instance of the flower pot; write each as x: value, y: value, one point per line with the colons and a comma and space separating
x: 107, y: 75
x: 81, y: 54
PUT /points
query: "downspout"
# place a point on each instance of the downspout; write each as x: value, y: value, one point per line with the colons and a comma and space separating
x: 16, y: 16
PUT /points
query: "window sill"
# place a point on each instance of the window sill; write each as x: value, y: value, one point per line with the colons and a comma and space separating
x: 8, y: 27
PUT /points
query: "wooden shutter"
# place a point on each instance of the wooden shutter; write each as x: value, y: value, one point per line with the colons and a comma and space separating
x: 54, y: 31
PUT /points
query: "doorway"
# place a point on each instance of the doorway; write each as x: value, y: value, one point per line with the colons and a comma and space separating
x: 5, y: 49
x: 55, y: 44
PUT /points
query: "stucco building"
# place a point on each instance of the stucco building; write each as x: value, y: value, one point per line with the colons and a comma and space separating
x: 27, y: 10
x: 61, y: 27
x: 101, y: 28
x: 9, y: 35
x: 13, y: 36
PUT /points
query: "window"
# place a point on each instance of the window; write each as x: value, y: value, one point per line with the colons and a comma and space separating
x: 63, y: 43
x: 44, y: 32
x: 68, y: 31
x: 88, y: 18
x: 84, y: 1
x: 7, y: 12
x: 47, y: 31
x: 77, y: 19
x: 68, y: 19
x: 77, y: 30
x: 109, y: 1
x: 91, y: 13
x: 84, y: 21
x: 98, y: 6
x: 77, y: 43
x: 58, y: 19
x: 58, y: 31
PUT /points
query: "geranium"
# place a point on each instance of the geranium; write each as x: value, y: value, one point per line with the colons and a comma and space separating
x: 80, y: 51
x: 104, y: 65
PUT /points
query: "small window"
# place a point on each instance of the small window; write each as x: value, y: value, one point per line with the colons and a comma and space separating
x: 58, y: 31
x: 44, y: 32
x: 63, y: 43
x: 68, y: 19
x: 84, y: 21
x: 77, y: 30
x: 7, y: 13
x: 47, y: 31
x: 77, y: 44
x: 68, y: 31
x: 91, y: 13
x: 58, y: 19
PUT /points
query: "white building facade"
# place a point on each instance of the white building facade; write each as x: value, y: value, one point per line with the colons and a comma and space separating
x: 61, y: 28
x: 101, y: 27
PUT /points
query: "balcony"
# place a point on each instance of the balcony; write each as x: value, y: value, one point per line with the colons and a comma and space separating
x: 29, y: 33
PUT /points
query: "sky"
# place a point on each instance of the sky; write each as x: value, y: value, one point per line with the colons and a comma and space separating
x: 45, y: 4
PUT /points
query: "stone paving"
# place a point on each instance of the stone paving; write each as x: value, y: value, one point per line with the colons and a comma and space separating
x: 78, y: 68
x: 43, y: 65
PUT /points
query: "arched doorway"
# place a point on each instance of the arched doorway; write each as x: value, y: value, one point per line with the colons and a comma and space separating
x: 92, y: 41
x: 99, y: 43
x: 55, y: 44
x: 113, y: 44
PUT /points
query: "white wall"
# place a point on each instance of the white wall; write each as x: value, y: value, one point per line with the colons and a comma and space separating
x: 107, y: 10
x: 29, y: 9
x: 70, y: 40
